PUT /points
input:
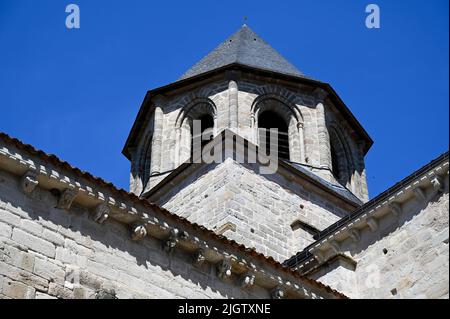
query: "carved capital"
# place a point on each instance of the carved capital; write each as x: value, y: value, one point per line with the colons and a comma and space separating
x: 395, y: 208
x: 224, y: 268
x: 199, y: 258
x: 247, y: 280
x: 138, y: 231
x: 300, y: 125
x: 29, y: 182
x: 101, y: 213
x: 278, y: 293
x: 171, y: 242
x: 66, y: 198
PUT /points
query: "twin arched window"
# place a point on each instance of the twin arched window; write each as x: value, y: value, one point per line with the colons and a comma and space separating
x: 273, y: 112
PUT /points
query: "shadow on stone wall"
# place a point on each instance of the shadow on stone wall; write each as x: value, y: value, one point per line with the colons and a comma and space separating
x: 107, y: 255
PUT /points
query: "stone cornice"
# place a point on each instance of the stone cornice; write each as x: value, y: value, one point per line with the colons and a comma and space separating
x: 146, y: 219
x: 421, y: 188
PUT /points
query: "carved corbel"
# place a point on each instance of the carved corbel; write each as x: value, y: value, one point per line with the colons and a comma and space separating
x: 319, y: 256
x: 278, y: 293
x: 419, y: 193
x: 372, y: 223
x: 224, y: 268
x: 101, y: 213
x: 199, y: 258
x: 138, y: 231
x: 247, y: 280
x: 170, y: 243
x: 438, y: 184
x: 29, y: 182
x: 355, y: 235
x: 395, y: 208
x: 66, y: 198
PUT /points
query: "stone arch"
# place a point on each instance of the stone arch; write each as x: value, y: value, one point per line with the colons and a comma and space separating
x: 285, y: 95
x: 195, y: 109
x: 289, y: 113
x: 342, y: 159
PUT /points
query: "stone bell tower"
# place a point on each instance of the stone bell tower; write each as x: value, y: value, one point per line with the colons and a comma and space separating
x: 245, y: 87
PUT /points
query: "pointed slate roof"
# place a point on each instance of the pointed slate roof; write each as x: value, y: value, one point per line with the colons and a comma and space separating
x: 247, y: 48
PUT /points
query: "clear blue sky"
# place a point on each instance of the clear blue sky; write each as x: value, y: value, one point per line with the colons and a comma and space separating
x: 75, y: 93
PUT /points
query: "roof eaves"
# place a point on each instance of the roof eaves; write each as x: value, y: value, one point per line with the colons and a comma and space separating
x: 305, y: 254
x: 203, y: 76
x: 53, y: 159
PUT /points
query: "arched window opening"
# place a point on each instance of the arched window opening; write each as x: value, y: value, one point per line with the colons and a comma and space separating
x: 145, y: 161
x: 205, y: 135
x: 271, y: 120
x: 335, y: 164
x: 341, y: 160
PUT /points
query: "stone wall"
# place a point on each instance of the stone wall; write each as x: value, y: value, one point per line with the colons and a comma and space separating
x: 262, y: 207
x: 46, y: 252
x: 406, y: 257
x: 67, y: 234
x: 234, y: 105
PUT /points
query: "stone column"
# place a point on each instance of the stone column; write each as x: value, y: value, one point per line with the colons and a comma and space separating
x: 185, y: 142
x: 233, y: 106
x: 302, y: 142
x: 176, y: 158
x: 135, y: 183
x: 294, y: 142
x: 155, y: 167
x: 324, y: 137
x: 362, y: 173
x: 254, y: 126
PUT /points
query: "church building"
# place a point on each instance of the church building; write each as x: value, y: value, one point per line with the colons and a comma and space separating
x: 247, y: 180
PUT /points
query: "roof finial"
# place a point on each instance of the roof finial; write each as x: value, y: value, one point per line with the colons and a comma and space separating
x: 245, y: 21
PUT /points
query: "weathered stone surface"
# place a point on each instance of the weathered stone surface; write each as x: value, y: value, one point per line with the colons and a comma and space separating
x: 37, y: 244
x: 255, y: 211
x: 8, y: 218
x: 49, y: 271
x: 45, y: 263
x: 17, y: 290
x: 5, y: 230
x: 412, y: 261
x: 40, y: 295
